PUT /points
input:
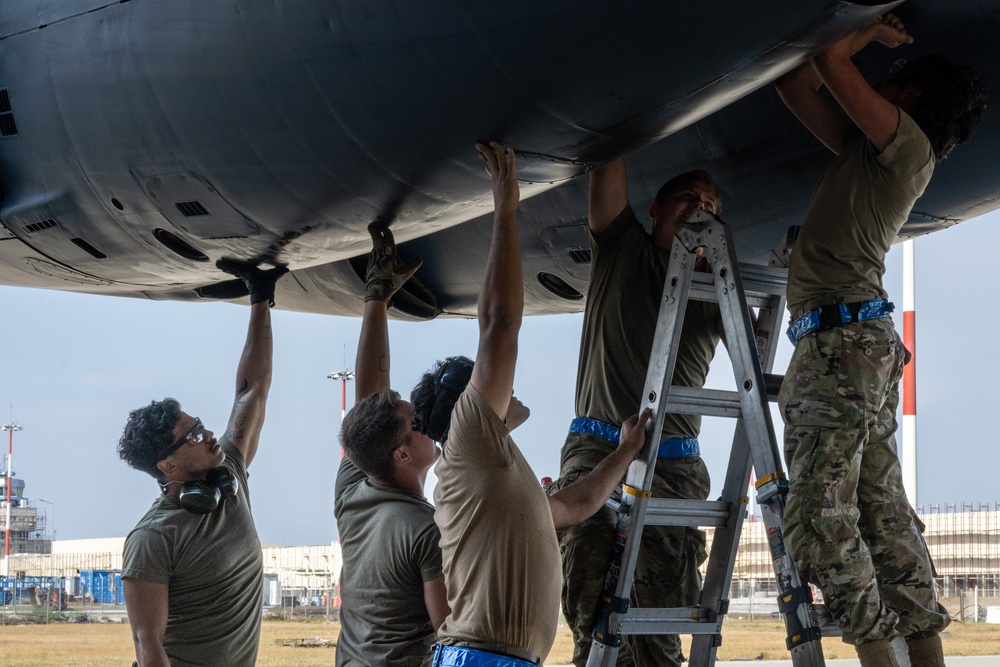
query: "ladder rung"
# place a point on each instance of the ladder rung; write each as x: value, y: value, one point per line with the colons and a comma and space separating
x: 669, y: 621
x: 760, y: 284
x: 678, y: 512
x: 693, y: 513
x: 715, y: 402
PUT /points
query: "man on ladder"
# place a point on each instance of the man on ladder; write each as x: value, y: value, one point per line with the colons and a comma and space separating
x: 847, y: 523
x: 628, y: 267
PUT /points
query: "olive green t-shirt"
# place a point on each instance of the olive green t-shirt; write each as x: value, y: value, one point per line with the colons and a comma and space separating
x: 855, y: 214
x: 214, y: 570
x: 390, y: 547
x: 623, y: 301
x: 501, y: 556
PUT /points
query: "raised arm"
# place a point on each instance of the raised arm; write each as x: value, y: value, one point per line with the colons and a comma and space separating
x: 501, y: 300
x: 833, y: 125
x: 253, y: 375
x: 582, y: 499
x: 868, y: 110
x: 147, y: 606
x: 384, y: 277
x: 607, y: 195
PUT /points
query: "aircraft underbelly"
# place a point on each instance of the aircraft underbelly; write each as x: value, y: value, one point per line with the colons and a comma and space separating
x: 167, y: 134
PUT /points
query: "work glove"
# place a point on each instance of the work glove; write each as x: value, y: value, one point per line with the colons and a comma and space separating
x: 385, y: 275
x: 260, y: 284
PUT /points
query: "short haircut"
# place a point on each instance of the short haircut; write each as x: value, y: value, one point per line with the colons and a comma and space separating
x: 675, y: 184
x: 951, y: 102
x: 371, y: 432
x: 434, y: 397
x: 149, y: 431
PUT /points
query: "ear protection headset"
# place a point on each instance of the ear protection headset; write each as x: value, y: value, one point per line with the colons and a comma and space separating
x: 453, y: 378
x: 203, y: 497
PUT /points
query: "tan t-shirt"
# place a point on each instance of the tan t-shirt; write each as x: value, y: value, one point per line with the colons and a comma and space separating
x: 855, y: 215
x: 623, y: 300
x: 501, y: 556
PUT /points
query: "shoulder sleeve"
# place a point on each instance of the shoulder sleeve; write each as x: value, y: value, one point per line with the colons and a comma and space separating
x: 234, y: 459
x: 909, y: 153
x: 147, y: 556
x: 427, y: 552
x: 347, y: 476
x: 623, y: 230
x: 476, y: 432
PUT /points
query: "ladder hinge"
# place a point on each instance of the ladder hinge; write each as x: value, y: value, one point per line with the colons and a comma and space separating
x: 810, y: 634
x: 610, y: 604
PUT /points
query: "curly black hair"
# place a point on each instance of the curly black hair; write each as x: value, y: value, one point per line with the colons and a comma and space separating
x: 951, y: 102
x: 148, y: 431
x: 371, y: 432
x: 435, y: 396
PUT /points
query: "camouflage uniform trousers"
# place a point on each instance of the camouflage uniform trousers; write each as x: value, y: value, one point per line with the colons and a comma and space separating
x: 666, y: 572
x: 847, y: 523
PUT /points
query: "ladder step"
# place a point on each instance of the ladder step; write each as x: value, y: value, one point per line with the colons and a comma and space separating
x: 760, y: 284
x: 681, y: 512
x: 669, y: 621
x: 715, y: 402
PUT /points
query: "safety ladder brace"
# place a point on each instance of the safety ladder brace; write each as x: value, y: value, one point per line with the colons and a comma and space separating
x: 753, y: 445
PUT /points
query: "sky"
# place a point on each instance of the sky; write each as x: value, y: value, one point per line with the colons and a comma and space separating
x: 76, y: 364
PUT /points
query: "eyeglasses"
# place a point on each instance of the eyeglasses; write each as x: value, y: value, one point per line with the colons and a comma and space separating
x: 194, y: 435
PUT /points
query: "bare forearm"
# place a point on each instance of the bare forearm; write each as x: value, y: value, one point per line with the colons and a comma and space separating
x: 501, y: 301
x: 581, y: 500
x: 607, y: 195
x: 254, y: 370
x: 372, y: 362
x: 151, y: 654
x: 799, y: 90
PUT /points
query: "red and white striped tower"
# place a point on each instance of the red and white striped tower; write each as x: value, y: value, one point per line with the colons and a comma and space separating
x: 11, y: 427
x: 909, y: 454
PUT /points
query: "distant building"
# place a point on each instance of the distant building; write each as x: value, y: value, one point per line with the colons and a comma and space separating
x: 963, y: 540
x: 28, y: 527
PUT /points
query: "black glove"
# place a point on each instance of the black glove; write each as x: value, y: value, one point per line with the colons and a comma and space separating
x: 260, y: 284
x: 385, y: 275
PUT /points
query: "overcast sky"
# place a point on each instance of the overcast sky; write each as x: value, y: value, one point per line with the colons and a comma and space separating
x: 76, y: 364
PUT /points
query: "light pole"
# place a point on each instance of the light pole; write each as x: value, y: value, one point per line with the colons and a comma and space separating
x: 343, y: 376
x: 11, y: 427
x: 326, y: 598
x: 52, y: 538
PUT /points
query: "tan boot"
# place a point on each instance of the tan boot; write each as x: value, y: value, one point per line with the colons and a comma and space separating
x: 877, y: 653
x: 925, y: 651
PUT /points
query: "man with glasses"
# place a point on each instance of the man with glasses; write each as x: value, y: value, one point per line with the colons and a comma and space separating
x: 193, y: 571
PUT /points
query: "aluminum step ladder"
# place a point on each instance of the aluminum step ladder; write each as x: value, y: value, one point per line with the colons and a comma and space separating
x: 736, y: 288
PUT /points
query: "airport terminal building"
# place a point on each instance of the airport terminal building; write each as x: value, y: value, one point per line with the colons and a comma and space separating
x: 964, y: 541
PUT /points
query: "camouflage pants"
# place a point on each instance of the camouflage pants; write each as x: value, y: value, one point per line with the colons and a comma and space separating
x: 666, y: 573
x: 847, y: 522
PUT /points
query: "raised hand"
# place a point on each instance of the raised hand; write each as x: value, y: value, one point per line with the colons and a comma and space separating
x: 385, y: 274
x: 260, y: 284
x: 501, y: 164
x: 887, y: 30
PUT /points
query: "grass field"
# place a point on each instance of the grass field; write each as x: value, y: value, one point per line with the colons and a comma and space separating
x: 110, y: 645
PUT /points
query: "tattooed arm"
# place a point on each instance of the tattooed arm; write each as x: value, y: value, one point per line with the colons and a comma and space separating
x: 253, y: 380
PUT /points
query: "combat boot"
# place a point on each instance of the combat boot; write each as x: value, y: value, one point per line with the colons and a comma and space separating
x: 877, y: 653
x: 925, y: 650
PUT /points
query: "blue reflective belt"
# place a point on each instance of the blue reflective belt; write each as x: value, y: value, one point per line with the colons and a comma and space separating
x: 461, y: 656
x: 671, y: 448
x: 838, y: 314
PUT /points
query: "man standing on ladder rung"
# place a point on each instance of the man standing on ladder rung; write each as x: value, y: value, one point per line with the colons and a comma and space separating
x: 847, y: 523
x: 628, y: 268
